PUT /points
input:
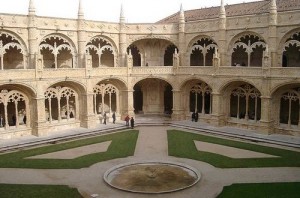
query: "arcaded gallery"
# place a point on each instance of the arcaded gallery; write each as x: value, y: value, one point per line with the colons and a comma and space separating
x: 236, y: 65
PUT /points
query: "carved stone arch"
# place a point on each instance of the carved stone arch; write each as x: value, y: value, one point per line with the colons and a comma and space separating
x: 289, y: 41
x: 287, y: 36
x: 173, y: 41
x: 153, y: 77
x: 64, y: 38
x: 51, y: 93
x: 191, y: 81
x: 16, y: 39
x: 201, y: 51
x: 236, y: 38
x: 15, y: 104
x: 284, y: 86
x: 224, y: 85
x: 246, y: 49
x: 118, y: 82
x: 96, y: 47
x: 106, y: 39
x: 55, y: 50
x: 76, y: 85
x: 14, y: 95
x: 199, y: 37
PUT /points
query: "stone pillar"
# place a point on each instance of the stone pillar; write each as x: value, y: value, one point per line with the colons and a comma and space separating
x: 217, y: 113
x: 81, y: 36
x: 130, y: 108
x: 181, y: 37
x: 273, y: 33
x: 178, y: 112
x: 81, y: 44
x: 32, y: 41
x: 39, y: 118
x: 89, y: 120
x: 222, y: 34
x: 266, y: 121
x: 122, y: 39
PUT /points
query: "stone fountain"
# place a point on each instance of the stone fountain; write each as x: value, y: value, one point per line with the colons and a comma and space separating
x: 152, y: 177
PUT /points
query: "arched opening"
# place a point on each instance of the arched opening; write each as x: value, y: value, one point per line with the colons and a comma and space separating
x: 61, y: 104
x: 168, y: 57
x: 12, y: 53
x: 245, y: 103
x: 152, y: 52
x: 248, y: 51
x: 201, y: 52
x: 291, y: 51
x: 200, y: 98
x: 153, y: 97
x: 15, y: 111
x: 102, y: 52
x: 57, y: 52
x: 136, y: 55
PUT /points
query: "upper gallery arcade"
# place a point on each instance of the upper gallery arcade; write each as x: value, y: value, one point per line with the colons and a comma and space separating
x: 236, y: 65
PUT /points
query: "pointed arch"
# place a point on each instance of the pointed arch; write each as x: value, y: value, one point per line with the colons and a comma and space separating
x: 247, y: 49
x: 58, y: 51
x: 13, y: 52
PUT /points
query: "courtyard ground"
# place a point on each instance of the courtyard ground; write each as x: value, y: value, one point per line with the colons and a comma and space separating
x: 152, y: 145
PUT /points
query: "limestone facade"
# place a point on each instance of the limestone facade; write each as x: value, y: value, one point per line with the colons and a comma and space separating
x: 235, y: 70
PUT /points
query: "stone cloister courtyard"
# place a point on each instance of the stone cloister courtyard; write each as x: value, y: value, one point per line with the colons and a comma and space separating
x: 68, y: 160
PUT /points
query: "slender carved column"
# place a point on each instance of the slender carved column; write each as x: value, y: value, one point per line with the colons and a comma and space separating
x: 32, y: 35
x: 181, y: 37
x: 222, y: 34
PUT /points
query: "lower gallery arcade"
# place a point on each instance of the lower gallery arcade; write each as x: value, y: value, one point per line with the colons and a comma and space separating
x: 66, y: 104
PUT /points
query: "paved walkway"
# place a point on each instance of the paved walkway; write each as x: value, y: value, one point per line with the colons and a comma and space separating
x: 151, y: 145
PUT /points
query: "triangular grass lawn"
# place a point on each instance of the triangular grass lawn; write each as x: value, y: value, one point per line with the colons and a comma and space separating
x: 263, y: 190
x: 181, y: 144
x: 41, y: 191
x: 122, y: 145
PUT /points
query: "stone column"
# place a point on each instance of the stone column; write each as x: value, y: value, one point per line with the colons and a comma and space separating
x: 217, y: 113
x: 89, y: 119
x: 130, y: 108
x: 266, y: 121
x: 178, y: 112
x: 39, y: 118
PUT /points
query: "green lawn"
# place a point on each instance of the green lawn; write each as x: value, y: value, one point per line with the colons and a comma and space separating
x: 266, y: 190
x: 123, y: 145
x: 181, y: 144
x: 37, y: 191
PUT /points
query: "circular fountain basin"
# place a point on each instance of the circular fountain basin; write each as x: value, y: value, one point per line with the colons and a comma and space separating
x: 152, y: 177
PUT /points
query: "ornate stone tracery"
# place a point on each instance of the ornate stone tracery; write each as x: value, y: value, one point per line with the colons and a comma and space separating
x: 248, y: 51
x: 201, y: 53
x: 57, y: 52
x: 106, y: 99
x: 60, y: 103
x: 291, y: 51
x: 15, y: 106
x: 13, y: 55
x: 201, y: 98
x: 290, y: 108
x: 102, y: 50
x: 245, y: 103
